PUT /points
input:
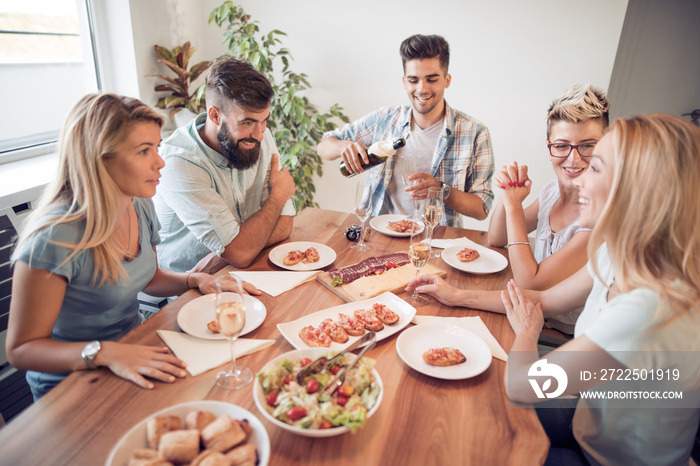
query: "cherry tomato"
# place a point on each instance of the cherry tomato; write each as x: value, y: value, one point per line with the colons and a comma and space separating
x: 335, y: 369
x: 305, y: 361
x: 296, y: 412
x: 325, y: 424
x: 342, y: 400
x: 272, y: 398
x: 345, y: 390
x: 286, y: 380
x: 312, y: 386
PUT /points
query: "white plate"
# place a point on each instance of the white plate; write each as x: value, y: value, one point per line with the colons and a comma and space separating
x: 196, y: 314
x: 290, y: 330
x: 489, y: 261
x: 136, y: 437
x: 311, y: 353
x: 380, y: 223
x: 415, y: 341
x: 326, y: 255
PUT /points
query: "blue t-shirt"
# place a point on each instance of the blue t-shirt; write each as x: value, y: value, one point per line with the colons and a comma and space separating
x: 89, y: 311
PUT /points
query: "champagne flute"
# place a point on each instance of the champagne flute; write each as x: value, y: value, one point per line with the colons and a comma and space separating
x: 410, y: 169
x: 363, y: 209
x: 230, y: 317
x: 419, y: 253
x: 433, y: 213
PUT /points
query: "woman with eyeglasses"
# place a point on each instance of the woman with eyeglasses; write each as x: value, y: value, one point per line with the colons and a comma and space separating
x: 575, y: 123
x: 633, y: 359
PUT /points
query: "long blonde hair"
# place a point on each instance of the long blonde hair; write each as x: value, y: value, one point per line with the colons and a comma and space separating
x: 651, y: 220
x: 95, y: 129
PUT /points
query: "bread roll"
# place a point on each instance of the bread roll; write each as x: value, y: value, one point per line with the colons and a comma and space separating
x: 157, y: 426
x: 199, y: 419
x: 147, y: 457
x: 211, y: 458
x: 179, y: 446
x: 245, y: 454
x: 223, y: 434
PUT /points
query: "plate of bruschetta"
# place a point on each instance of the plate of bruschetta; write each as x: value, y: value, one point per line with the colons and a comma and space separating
x: 302, y: 256
x: 393, y: 225
x: 443, y: 351
x: 474, y: 258
x: 340, y: 326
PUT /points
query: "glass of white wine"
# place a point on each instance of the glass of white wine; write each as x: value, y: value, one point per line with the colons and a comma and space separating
x: 418, y: 253
x: 410, y: 169
x: 363, y: 209
x: 433, y: 213
x: 230, y: 317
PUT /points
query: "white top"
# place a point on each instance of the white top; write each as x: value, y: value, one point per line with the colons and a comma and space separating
x: 415, y: 157
x: 548, y: 242
x: 626, y: 328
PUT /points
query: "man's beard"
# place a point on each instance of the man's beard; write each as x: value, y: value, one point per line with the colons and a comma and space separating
x: 241, y: 159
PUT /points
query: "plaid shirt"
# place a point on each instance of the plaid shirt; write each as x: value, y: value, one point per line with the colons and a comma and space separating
x: 462, y: 158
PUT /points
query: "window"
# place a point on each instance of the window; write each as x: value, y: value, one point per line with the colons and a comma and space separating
x: 47, y: 64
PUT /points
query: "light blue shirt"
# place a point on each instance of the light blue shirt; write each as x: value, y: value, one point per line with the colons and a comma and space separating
x: 201, y: 202
x: 91, y: 312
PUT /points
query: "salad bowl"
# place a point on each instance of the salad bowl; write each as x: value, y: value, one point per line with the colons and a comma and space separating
x: 260, y: 397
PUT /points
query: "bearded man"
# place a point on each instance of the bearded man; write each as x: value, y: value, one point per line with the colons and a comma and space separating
x: 222, y: 196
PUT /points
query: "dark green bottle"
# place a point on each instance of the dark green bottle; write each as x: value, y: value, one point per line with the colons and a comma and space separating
x: 377, y: 153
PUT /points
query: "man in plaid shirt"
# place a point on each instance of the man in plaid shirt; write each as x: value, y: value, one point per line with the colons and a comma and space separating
x: 444, y: 147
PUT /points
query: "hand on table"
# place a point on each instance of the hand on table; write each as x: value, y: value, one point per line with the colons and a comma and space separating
x: 136, y: 362
x: 207, y: 284
x: 525, y: 317
x: 435, y: 287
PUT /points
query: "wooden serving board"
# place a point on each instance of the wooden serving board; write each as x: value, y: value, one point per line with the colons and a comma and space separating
x: 394, y: 280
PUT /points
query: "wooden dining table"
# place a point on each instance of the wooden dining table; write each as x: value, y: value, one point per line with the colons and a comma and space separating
x: 421, y: 421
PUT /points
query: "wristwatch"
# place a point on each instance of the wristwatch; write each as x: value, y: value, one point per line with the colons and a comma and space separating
x: 446, y: 190
x: 90, y: 352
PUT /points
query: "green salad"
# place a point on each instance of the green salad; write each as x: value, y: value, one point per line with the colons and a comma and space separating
x: 308, y: 407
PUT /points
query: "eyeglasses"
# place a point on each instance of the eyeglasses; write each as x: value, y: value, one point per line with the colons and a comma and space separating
x: 561, y: 150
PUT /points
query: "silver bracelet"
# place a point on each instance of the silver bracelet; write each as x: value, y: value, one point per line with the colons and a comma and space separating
x: 517, y: 242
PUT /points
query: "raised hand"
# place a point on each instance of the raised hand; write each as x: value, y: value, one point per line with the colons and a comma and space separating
x: 281, y: 182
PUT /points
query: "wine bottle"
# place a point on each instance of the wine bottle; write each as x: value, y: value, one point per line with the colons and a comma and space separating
x: 377, y: 153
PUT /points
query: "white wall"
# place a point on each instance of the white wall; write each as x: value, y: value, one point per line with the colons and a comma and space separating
x: 509, y: 59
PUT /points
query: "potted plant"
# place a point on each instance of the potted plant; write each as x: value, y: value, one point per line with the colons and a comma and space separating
x: 180, y: 98
x: 296, y: 124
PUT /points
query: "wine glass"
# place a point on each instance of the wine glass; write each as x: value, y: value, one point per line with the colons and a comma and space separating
x: 433, y: 213
x: 230, y: 317
x: 410, y: 169
x: 419, y: 253
x: 363, y: 209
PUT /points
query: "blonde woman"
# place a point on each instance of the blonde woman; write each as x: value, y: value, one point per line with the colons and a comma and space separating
x: 641, y: 291
x: 88, y: 250
x: 575, y: 123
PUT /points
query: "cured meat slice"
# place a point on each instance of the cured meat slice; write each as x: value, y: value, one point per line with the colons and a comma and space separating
x: 369, y: 266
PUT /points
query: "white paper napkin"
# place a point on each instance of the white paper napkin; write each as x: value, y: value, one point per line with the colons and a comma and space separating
x: 473, y: 324
x: 275, y: 283
x: 202, y: 355
x: 448, y: 243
